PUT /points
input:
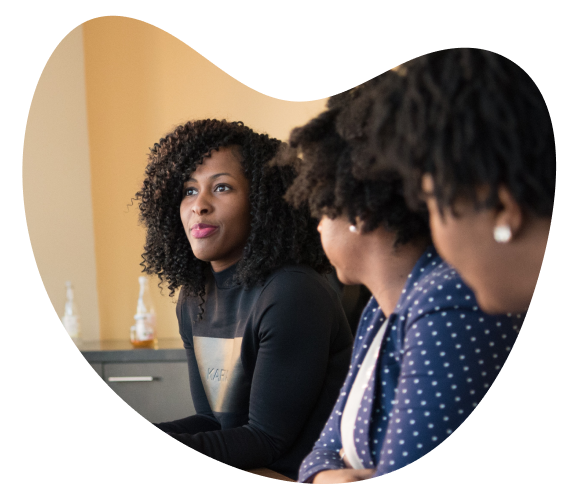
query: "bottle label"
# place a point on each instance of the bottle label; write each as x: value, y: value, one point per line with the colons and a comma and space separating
x: 145, y: 327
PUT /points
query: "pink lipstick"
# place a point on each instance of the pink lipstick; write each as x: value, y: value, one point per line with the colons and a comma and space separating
x: 201, y: 231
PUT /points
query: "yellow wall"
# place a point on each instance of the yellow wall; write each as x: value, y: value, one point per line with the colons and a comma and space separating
x: 142, y: 82
x: 56, y: 181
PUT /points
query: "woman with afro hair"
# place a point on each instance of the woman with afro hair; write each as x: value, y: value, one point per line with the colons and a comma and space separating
x: 424, y: 354
x: 470, y: 132
x: 267, y: 341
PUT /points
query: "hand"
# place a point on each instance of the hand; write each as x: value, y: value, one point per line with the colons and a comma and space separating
x: 344, y: 458
x: 343, y: 475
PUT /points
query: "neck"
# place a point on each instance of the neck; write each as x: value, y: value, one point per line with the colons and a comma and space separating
x: 385, y: 269
x: 521, y: 262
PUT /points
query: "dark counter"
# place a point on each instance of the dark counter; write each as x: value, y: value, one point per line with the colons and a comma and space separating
x: 122, y: 351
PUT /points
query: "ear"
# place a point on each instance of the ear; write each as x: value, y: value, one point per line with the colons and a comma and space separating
x: 509, y: 212
x: 358, y: 227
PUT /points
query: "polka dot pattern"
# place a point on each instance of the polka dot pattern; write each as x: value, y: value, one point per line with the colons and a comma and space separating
x: 438, y: 358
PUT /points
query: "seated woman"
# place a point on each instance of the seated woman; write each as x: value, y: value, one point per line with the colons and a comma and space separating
x: 424, y: 353
x: 267, y: 341
x: 475, y: 140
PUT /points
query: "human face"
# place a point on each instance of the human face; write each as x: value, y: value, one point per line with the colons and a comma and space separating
x: 215, y: 209
x: 465, y: 240
x: 340, y: 245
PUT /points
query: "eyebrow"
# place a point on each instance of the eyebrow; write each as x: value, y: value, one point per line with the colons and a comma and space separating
x: 213, y: 177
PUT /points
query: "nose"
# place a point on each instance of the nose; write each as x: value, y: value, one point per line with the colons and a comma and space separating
x: 320, y: 225
x: 201, y: 205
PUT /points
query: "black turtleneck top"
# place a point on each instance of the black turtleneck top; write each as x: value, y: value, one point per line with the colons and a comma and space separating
x: 265, y: 367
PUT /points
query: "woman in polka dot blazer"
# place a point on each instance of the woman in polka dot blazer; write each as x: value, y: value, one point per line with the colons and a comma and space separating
x: 475, y: 139
x: 424, y: 354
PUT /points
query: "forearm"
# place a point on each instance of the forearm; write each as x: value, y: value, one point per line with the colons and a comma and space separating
x: 190, y: 425
x: 242, y: 447
x: 343, y: 475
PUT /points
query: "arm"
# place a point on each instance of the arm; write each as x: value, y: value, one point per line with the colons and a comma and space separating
x: 325, y: 462
x: 296, y: 323
x: 338, y: 476
x: 450, y: 359
x: 203, y: 420
x: 343, y: 475
x: 326, y: 453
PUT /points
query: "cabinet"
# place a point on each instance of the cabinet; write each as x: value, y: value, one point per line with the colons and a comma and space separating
x: 154, y: 382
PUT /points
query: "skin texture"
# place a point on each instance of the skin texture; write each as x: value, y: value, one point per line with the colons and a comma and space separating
x: 343, y: 475
x: 370, y: 258
x: 217, y: 193
x: 502, y: 275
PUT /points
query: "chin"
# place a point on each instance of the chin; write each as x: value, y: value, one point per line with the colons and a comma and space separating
x: 203, y: 255
x: 344, y: 279
x: 491, y: 308
x: 495, y: 304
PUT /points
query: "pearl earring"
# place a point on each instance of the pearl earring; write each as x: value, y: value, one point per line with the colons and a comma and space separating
x: 353, y: 229
x: 502, y: 234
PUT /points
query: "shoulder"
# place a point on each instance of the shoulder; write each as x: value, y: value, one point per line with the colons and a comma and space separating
x: 435, y: 286
x: 300, y: 296
x: 438, y: 292
x: 289, y: 281
x: 186, y: 298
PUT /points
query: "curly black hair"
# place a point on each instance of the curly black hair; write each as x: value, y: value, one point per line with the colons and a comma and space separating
x: 326, y: 153
x: 279, y: 233
x: 470, y: 118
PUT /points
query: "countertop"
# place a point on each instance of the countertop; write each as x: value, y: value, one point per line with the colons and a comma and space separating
x: 122, y: 350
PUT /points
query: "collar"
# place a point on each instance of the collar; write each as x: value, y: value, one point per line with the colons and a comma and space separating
x: 224, y: 278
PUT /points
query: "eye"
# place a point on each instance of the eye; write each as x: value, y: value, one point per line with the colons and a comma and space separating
x: 222, y: 188
x: 189, y: 191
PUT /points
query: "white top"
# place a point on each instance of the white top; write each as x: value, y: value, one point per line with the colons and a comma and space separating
x: 355, y: 398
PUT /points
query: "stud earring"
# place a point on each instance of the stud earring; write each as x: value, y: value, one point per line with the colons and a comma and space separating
x: 502, y: 234
x: 353, y: 229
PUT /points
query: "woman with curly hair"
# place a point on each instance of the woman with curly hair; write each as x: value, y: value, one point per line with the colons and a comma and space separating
x: 266, y: 337
x: 471, y: 134
x: 424, y: 354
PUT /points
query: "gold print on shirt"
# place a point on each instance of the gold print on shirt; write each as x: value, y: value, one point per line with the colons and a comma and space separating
x: 219, y: 363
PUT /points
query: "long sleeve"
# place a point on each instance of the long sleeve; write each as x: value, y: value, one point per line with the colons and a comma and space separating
x: 437, y: 359
x: 326, y: 452
x: 296, y: 353
x: 450, y: 359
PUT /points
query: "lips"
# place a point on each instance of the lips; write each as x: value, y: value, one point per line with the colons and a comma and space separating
x: 201, y: 231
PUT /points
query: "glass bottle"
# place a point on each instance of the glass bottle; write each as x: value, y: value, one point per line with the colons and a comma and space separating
x: 144, y: 331
x: 70, y: 318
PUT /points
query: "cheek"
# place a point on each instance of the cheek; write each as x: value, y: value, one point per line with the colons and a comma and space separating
x: 437, y: 229
x: 324, y: 240
x: 434, y: 219
x: 334, y: 245
x: 326, y: 237
x: 444, y: 234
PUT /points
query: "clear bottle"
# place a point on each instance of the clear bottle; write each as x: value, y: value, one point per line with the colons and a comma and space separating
x: 144, y: 331
x: 70, y: 318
